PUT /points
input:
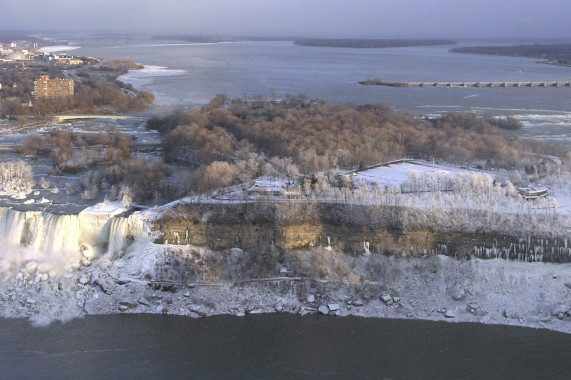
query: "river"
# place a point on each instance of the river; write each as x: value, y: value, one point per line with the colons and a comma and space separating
x: 278, y: 347
x: 183, y: 74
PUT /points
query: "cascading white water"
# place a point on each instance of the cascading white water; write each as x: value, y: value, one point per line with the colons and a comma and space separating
x: 122, y: 232
x: 48, y: 242
x: 53, y: 233
x: 39, y: 230
x: 11, y: 226
x: 40, y: 243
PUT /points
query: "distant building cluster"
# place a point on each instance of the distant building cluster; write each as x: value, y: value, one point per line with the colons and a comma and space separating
x: 46, y: 88
x: 62, y: 59
x: 25, y: 51
x: 17, y: 50
x: 22, y: 55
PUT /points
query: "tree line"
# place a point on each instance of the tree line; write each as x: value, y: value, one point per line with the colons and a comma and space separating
x: 72, y: 151
x: 304, y: 136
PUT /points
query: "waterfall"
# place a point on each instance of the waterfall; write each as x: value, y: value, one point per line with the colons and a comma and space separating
x: 38, y: 239
x: 53, y: 233
x: 123, y: 231
x: 11, y: 226
x: 40, y: 242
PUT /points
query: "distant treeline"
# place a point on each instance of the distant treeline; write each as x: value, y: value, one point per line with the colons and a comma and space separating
x: 369, y: 43
x: 559, y: 53
x: 188, y: 38
x: 7, y: 37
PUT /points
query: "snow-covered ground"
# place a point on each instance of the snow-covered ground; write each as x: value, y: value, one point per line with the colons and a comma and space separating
x: 425, y: 176
x: 434, y: 288
x: 393, y: 175
x: 408, y: 183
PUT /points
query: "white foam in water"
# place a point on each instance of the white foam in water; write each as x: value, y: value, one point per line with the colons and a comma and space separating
x: 553, y: 119
x: 525, y: 110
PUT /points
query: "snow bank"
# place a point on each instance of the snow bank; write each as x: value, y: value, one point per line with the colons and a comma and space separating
x: 435, y: 288
x: 58, y: 48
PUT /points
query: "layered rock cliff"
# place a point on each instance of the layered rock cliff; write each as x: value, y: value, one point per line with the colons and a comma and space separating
x: 357, y: 229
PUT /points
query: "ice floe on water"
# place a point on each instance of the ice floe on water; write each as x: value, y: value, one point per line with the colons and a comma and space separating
x: 149, y: 71
x: 142, y: 78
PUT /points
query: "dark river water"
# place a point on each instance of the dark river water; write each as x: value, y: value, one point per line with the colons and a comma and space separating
x: 277, y: 347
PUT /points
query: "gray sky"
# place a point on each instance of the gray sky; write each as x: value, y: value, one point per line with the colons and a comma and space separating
x: 320, y: 18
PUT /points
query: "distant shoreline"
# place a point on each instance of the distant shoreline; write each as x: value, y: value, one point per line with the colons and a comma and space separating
x: 370, y: 43
x: 554, y: 54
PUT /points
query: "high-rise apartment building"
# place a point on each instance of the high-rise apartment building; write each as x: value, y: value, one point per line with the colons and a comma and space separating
x: 47, y: 88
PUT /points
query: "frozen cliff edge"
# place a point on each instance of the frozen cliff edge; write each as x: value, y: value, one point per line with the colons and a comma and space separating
x: 130, y: 273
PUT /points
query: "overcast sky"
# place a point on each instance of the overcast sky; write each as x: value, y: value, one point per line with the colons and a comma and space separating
x: 312, y: 18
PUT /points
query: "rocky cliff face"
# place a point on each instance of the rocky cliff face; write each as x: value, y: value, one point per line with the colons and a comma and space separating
x: 296, y: 258
x: 247, y: 229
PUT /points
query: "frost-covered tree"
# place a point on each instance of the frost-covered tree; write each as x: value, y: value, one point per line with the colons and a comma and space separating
x: 126, y: 195
x: 306, y: 186
x: 322, y: 186
x: 90, y: 193
x: 16, y: 177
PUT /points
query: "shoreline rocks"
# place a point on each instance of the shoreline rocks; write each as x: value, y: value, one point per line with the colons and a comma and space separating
x: 416, y: 291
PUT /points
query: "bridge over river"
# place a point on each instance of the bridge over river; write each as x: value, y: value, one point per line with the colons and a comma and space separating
x: 472, y: 84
